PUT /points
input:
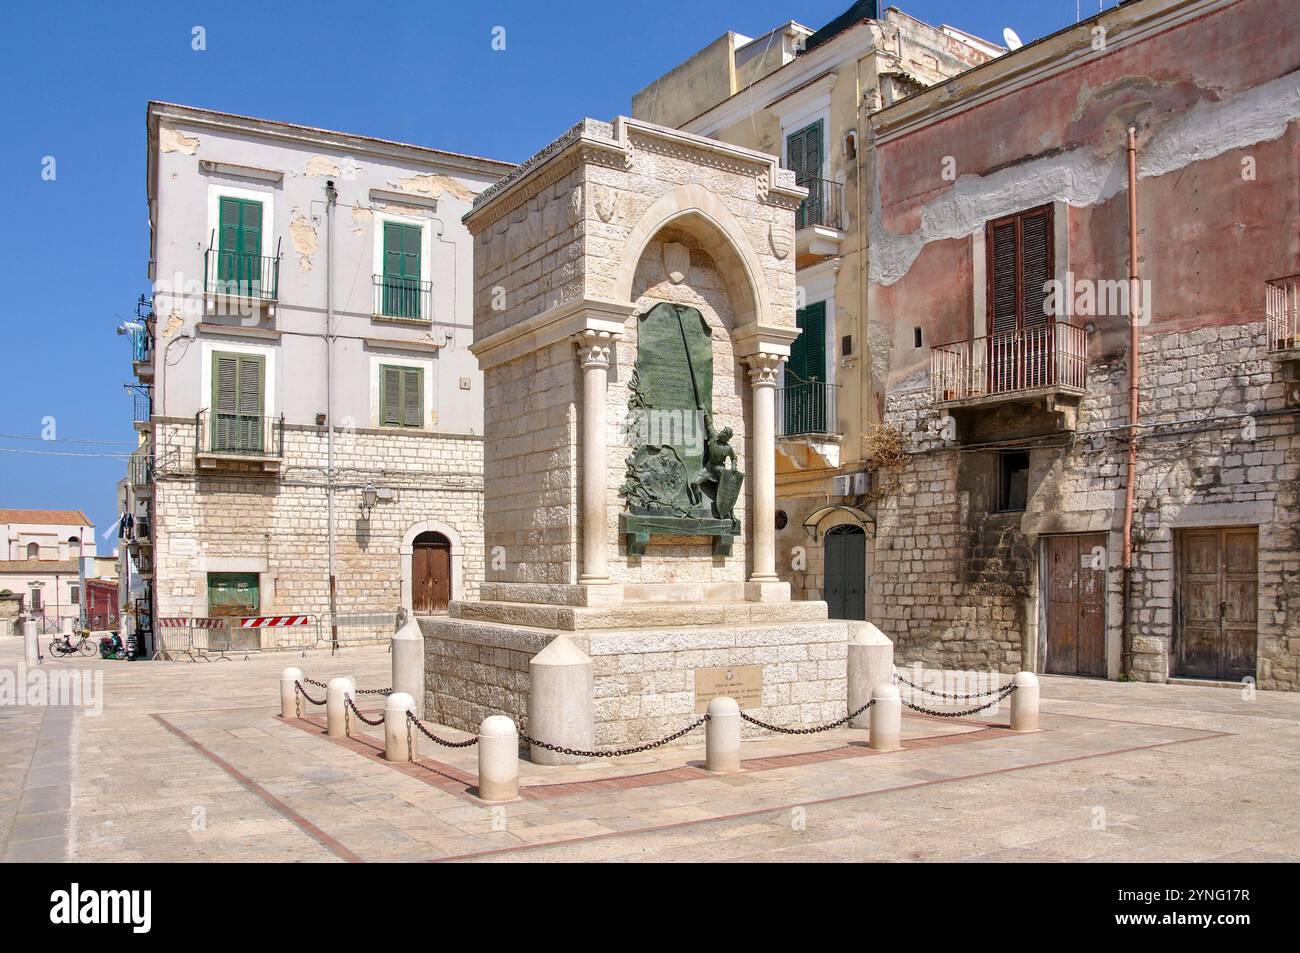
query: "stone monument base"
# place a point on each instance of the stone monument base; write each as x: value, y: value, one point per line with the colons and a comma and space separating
x: 657, y: 654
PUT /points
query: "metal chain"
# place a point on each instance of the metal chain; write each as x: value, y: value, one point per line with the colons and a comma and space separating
x: 302, y: 691
x: 1000, y: 690
x: 992, y: 703
x: 620, y: 752
x: 808, y: 731
x: 356, y: 691
x: 410, y: 716
x: 356, y: 711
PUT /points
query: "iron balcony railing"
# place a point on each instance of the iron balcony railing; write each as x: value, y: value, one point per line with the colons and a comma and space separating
x: 1283, y: 308
x: 142, y: 398
x: 806, y: 408
x: 140, y: 470
x: 238, y: 434
x: 1054, y: 354
x: 824, y: 205
x: 236, y: 274
x: 406, y: 299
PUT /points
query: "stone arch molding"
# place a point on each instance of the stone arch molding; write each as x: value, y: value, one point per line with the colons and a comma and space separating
x: 408, y: 548
x: 695, y: 201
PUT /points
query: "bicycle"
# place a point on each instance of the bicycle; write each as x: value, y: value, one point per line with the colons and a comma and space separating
x: 65, y: 646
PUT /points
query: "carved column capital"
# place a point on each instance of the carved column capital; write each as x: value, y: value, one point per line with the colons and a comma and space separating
x: 594, y: 347
x: 764, y: 368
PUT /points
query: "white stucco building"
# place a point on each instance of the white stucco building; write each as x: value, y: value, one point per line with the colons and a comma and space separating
x: 310, y: 409
x: 41, y: 555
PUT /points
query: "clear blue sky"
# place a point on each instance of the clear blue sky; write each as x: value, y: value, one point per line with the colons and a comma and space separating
x: 79, y: 75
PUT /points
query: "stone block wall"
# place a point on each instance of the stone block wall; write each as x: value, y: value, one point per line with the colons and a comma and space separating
x: 957, y: 586
x: 247, y: 520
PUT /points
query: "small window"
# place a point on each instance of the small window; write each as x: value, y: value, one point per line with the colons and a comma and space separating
x: 35, y: 599
x: 74, y: 548
x: 74, y: 595
x: 851, y: 145
x: 782, y: 519
x: 1013, y: 481
x: 33, y: 550
x: 918, y: 339
x: 401, y: 396
x: 846, y: 346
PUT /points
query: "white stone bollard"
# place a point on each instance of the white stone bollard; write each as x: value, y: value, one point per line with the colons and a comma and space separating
x: 498, y: 759
x: 561, y: 702
x: 399, y: 741
x: 336, y: 711
x: 408, y: 663
x: 870, y: 663
x: 886, y: 731
x: 722, y: 736
x: 289, y: 680
x: 31, y: 644
x: 1024, y: 702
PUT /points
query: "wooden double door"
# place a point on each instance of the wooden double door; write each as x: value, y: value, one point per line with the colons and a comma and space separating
x: 1076, y: 605
x: 430, y: 573
x: 1218, y: 600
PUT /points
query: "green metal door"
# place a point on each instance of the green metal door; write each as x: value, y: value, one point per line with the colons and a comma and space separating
x: 233, y: 594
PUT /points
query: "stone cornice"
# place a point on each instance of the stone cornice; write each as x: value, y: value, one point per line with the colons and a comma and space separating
x: 613, y: 143
x: 755, y: 340
x: 563, y: 322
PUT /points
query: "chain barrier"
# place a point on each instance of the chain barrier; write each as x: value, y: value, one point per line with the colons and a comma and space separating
x: 351, y: 706
x: 1000, y: 690
x: 808, y: 731
x: 410, y: 717
x: 355, y: 691
x: 619, y: 752
x: 934, y: 712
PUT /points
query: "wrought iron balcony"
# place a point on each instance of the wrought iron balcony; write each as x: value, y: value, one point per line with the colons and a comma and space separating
x: 231, y: 274
x: 824, y: 205
x: 142, y: 404
x: 226, y: 436
x: 1283, y: 311
x: 403, y: 299
x: 1052, y: 356
x: 140, y: 470
x: 806, y: 408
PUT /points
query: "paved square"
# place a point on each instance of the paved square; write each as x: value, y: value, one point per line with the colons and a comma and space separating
x: 190, y: 762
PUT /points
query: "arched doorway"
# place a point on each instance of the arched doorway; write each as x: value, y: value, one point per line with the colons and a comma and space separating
x: 430, y: 573
x: 845, y: 567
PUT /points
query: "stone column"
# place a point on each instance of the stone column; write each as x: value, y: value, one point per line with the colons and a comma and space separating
x: 593, y: 354
x: 763, y: 371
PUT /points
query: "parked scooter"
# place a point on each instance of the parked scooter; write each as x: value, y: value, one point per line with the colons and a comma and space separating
x: 111, y: 647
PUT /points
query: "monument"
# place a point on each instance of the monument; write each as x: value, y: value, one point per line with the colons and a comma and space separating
x: 634, y: 301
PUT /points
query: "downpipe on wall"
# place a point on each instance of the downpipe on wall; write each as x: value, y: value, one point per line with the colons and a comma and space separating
x: 331, y: 196
x: 1134, y: 305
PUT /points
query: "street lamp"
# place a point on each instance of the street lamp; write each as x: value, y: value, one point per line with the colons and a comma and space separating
x: 369, y: 497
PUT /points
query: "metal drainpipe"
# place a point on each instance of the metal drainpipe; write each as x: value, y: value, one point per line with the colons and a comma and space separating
x: 1126, y: 621
x: 331, y: 195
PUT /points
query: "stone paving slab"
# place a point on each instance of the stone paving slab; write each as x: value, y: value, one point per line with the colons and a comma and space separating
x: 190, y: 762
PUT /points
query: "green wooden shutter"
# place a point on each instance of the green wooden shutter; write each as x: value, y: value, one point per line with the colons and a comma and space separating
x: 803, y: 151
x: 239, y: 242
x: 238, y: 387
x: 402, y: 287
x: 805, y: 389
x: 390, y: 396
x: 413, y: 396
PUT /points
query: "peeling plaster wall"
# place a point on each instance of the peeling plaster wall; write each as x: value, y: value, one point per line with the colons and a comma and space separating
x: 956, y: 584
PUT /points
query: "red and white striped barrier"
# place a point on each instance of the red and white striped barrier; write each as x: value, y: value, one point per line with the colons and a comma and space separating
x: 275, y: 621
x: 185, y: 622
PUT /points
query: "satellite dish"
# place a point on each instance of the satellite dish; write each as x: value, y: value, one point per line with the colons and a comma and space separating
x: 1012, y: 41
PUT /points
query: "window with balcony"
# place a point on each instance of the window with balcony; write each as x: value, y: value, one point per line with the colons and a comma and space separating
x: 238, y: 383
x: 806, y: 399
x: 235, y: 265
x: 400, y: 290
x: 401, y: 396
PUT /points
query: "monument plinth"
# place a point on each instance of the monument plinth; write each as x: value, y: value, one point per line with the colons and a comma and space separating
x: 634, y: 301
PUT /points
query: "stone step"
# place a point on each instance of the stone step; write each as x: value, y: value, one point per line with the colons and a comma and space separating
x: 642, y: 615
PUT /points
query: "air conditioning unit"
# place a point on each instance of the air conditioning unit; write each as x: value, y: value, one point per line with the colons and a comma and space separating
x: 861, y: 483
x: 841, y: 485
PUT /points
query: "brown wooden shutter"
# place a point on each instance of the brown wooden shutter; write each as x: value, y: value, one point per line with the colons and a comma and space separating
x: 1002, y: 276
x: 1035, y: 265
x: 1020, y: 264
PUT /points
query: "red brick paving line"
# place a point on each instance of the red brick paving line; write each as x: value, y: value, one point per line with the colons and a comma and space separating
x: 758, y: 812
x: 454, y: 781
x: 270, y: 799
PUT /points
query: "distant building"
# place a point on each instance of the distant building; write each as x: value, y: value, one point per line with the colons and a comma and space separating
x: 42, y: 554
